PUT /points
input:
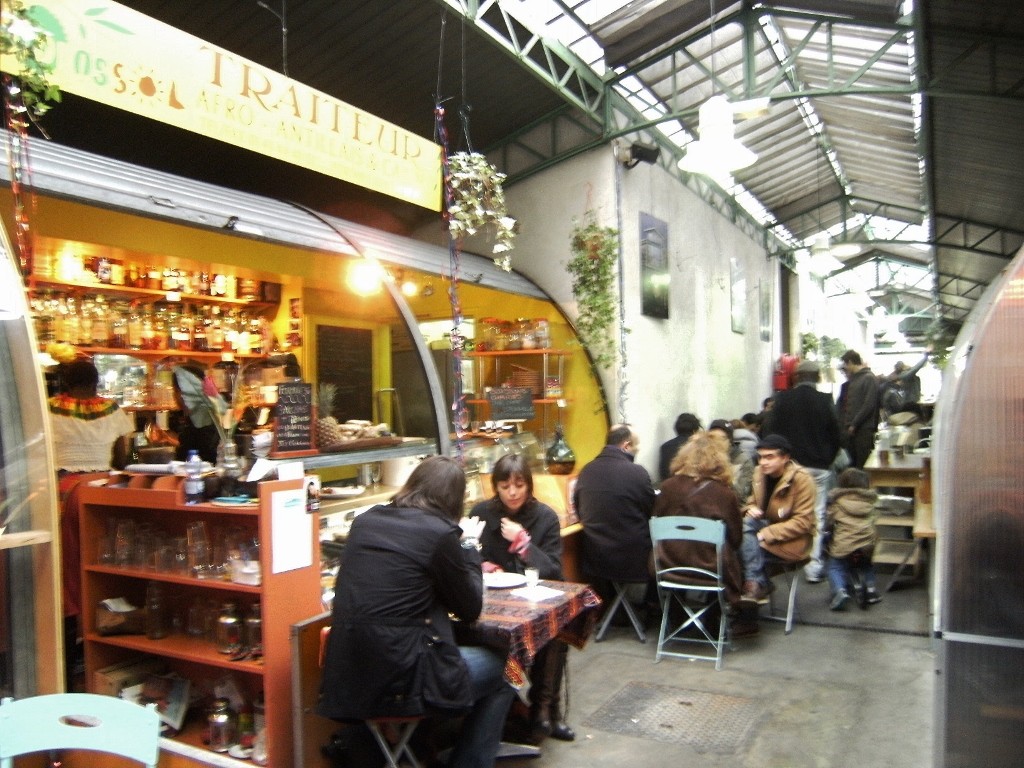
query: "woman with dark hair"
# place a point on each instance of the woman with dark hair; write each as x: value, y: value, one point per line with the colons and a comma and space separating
x: 403, y: 572
x: 521, y: 532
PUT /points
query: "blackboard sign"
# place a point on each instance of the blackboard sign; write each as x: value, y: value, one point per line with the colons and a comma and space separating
x: 511, y: 403
x: 344, y: 357
x: 293, y: 426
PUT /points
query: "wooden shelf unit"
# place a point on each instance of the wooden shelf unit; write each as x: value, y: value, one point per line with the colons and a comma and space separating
x: 285, y: 598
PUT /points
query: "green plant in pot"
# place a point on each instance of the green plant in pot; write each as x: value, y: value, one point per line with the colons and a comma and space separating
x: 595, y: 252
x: 477, y: 201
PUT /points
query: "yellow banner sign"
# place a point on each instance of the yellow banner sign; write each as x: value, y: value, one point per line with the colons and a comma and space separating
x: 117, y: 56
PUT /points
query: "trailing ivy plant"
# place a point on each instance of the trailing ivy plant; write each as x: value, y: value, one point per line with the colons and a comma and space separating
x: 23, y: 38
x: 595, y: 252
x: 478, y: 200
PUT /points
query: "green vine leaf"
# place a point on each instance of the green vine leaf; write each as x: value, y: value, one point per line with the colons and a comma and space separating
x: 595, y: 252
x: 25, y: 40
x: 478, y: 200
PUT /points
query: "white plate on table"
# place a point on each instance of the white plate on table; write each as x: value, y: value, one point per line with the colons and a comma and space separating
x: 342, y: 491
x: 503, y: 580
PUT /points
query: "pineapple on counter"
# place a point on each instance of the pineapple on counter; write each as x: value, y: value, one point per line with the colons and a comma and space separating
x: 332, y: 435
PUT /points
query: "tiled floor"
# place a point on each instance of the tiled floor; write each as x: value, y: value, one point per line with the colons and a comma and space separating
x: 844, y: 689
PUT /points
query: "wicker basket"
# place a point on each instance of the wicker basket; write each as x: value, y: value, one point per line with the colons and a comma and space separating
x: 526, y: 377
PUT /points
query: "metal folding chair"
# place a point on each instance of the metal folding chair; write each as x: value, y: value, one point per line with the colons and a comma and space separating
x: 791, y: 570
x: 85, y: 721
x: 695, y: 590
x: 621, y: 601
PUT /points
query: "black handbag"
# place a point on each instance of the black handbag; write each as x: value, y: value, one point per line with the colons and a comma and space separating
x: 443, y: 675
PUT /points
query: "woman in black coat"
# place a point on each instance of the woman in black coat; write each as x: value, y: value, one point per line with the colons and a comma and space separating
x: 403, y: 572
x: 520, y: 532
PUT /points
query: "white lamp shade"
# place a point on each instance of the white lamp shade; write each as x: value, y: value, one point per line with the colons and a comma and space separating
x: 717, y: 152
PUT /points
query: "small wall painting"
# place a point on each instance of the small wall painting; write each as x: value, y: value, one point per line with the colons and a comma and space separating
x: 654, y: 277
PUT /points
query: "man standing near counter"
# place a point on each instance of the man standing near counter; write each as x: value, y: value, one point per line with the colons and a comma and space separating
x: 858, y: 407
x: 614, y: 497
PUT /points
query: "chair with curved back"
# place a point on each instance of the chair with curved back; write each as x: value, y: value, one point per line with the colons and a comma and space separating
x: 85, y: 721
x: 695, y: 590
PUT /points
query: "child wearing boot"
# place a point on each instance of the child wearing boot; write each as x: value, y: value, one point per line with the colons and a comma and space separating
x: 850, y: 523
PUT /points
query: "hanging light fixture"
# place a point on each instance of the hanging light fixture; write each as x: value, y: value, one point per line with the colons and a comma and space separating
x: 716, y: 152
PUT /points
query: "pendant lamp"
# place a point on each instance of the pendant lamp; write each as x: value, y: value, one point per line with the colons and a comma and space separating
x: 717, y: 151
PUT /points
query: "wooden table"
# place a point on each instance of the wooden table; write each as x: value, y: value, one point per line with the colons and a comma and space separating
x: 898, y: 472
x: 519, y: 627
x: 905, y: 471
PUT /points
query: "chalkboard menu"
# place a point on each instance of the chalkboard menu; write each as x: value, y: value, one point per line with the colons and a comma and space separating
x: 511, y: 403
x: 344, y: 357
x: 293, y: 427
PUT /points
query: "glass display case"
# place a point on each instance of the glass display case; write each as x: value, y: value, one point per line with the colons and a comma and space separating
x: 30, y: 608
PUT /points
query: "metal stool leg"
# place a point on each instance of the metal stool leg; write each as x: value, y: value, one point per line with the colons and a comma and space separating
x: 394, y: 753
x: 621, y: 600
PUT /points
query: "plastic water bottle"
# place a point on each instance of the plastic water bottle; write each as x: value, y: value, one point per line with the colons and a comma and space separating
x: 193, y: 478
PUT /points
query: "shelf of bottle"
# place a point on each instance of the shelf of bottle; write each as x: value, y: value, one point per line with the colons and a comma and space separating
x: 513, y: 352
x: 172, y: 578
x: 536, y: 401
x: 154, y: 294
x: 175, y: 646
x: 158, y: 353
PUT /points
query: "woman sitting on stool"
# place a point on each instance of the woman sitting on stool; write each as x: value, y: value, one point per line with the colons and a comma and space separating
x: 521, y: 532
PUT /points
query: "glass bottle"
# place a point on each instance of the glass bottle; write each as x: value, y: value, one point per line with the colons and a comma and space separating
x: 229, y: 629
x: 119, y: 327
x: 156, y: 611
x: 215, y: 335
x: 148, y: 329
x: 161, y: 329
x: 254, y: 629
x: 135, y: 337
x: 221, y: 726
x: 100, y: 324
x: 201, y: 331
x: 560, y: 458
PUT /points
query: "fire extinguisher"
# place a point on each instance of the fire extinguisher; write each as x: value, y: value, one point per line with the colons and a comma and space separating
x: 784, y: 375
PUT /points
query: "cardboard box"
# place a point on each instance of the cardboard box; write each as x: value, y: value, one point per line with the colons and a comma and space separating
x: 111, y: 680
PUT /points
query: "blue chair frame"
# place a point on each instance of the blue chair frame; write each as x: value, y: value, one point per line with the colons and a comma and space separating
x: 685, y: 592
x: 86, y: 721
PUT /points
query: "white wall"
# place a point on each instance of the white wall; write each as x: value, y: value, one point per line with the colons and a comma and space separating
x: 691, y: 362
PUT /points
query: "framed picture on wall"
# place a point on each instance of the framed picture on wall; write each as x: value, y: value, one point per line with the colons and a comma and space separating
x: 764, y: 291
x: 738, y: 295
x: 653, y: 267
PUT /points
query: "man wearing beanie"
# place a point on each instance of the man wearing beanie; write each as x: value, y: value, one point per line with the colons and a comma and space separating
x: 778, y: 521
x: 809, y: 420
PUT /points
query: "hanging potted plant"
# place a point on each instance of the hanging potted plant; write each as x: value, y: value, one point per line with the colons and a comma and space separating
x: 477, y: 201
x: 23, y: 37
x: 595, y: 251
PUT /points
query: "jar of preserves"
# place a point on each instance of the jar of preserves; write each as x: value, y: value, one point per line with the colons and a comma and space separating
x: 221, y: 726
x: 229, y: 629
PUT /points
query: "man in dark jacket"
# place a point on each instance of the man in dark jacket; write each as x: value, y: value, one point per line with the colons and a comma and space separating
x: 808, y: 419
x: 686, y: 424
x: 614, y: 498
x: 858, y: 407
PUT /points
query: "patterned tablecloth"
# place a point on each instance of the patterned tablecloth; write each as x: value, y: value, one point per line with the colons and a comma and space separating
x: 520, y: 627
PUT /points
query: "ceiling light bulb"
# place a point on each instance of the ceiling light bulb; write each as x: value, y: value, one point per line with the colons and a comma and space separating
x: 365, y: 277
x: 409, y: 288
